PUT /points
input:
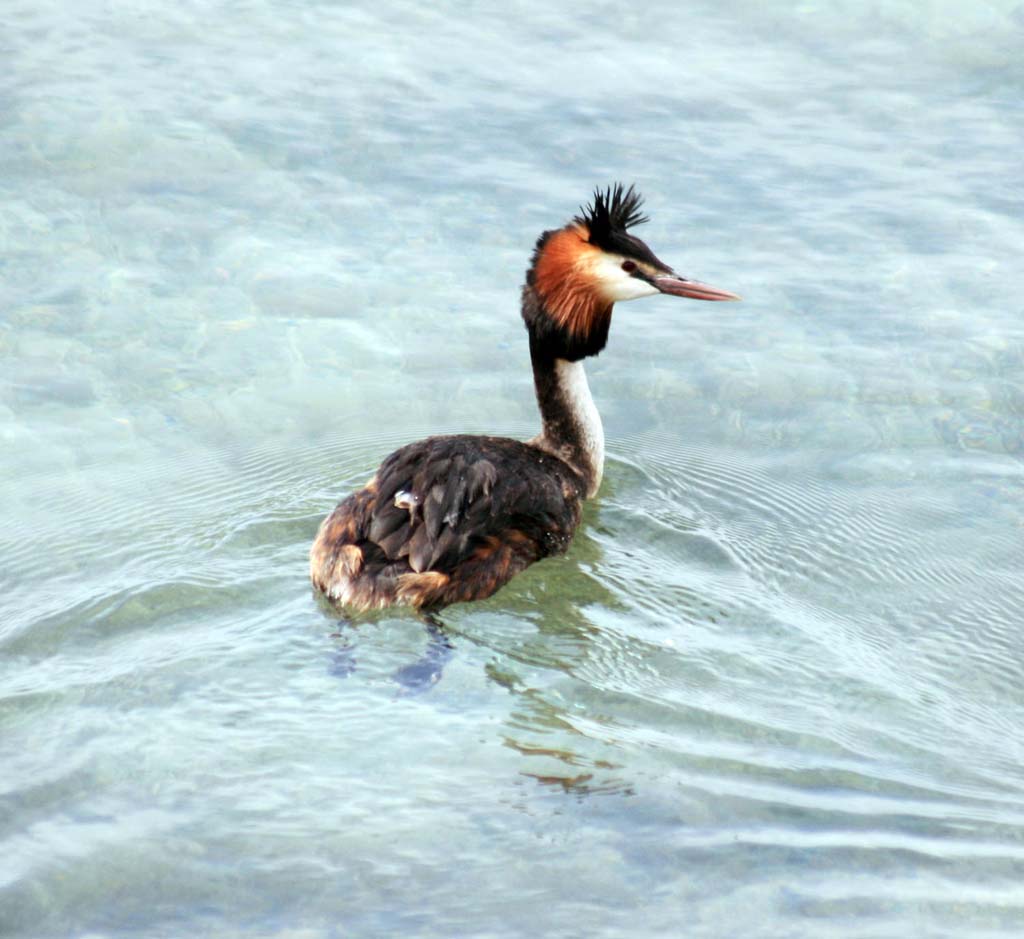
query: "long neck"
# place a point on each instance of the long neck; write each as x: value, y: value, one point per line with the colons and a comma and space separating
x: 572, y: 427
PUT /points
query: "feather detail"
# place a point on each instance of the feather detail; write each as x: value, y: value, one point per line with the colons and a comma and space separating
x: 443, y: 524
x: 613, y: 211
x: 563, y: 276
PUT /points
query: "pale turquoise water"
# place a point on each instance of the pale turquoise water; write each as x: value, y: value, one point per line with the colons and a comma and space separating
x: 776, y: 689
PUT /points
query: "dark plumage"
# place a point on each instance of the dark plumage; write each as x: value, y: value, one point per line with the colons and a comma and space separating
x: 454, y: 518
x: 467, y: 513
x: 609, y: 216
x: 614, y: 209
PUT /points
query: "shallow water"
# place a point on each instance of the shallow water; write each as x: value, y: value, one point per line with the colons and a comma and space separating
x: 775, y: 688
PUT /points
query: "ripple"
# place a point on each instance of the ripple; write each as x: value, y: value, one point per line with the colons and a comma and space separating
x: 838, y: 625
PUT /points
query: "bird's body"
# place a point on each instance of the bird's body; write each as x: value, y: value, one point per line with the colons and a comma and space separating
x: 449, y: 519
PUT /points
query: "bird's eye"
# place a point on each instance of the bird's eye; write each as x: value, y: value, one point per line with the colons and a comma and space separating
x: 628, y: 267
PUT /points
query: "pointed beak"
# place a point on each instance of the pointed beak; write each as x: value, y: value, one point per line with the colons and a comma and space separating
x: 684, y: 287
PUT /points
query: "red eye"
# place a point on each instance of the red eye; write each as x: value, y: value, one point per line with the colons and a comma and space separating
x: 628, y: 267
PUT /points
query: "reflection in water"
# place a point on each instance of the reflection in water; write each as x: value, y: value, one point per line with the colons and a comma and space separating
x: 413, y: 678
x: 426, y: 671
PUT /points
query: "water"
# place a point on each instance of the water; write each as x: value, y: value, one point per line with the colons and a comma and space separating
x: 775, y: 689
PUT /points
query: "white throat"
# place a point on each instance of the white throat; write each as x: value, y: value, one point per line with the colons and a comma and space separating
x: 575, y: 393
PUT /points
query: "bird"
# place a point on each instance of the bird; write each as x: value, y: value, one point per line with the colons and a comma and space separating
x: 453, y: 518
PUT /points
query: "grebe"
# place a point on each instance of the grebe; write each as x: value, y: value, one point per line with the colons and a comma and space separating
x: 454, y: 518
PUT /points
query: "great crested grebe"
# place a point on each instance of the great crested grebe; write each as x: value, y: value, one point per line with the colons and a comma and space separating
x: 454, y: 518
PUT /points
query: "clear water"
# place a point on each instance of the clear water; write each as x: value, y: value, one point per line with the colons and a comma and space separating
x: 777, y: 686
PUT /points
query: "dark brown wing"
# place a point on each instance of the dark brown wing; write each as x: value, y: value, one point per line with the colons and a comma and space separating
x: 439, y: 500
x: 451, y: 518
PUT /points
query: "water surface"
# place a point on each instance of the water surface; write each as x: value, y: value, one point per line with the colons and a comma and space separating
x: 775, y: 688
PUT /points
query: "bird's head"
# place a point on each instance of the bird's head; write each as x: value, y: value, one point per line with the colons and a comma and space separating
x: 580, y: 271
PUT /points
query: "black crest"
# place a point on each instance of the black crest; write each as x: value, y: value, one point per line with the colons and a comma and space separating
x: 612, y: 212
x: 607, y: 218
